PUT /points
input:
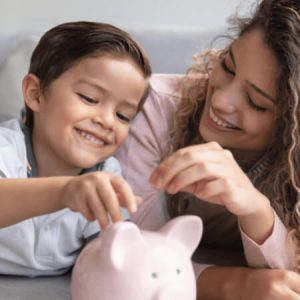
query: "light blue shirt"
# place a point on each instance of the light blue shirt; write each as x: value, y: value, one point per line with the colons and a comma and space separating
x: 48, y: 244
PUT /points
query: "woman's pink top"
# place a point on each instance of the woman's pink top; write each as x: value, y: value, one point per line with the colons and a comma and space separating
x: 146, y: 145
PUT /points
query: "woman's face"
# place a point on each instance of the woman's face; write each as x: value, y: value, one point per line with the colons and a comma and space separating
x: 240, y: 112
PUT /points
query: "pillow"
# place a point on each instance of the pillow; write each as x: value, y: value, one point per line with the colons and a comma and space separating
x: 14, y: 65
x: 171, y: 49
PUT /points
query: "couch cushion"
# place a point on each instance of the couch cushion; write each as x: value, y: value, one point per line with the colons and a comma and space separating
x: 12, y: 70
x: 170, y: 51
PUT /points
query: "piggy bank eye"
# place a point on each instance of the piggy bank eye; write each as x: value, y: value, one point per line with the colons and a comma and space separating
x: 178, y: 271
x: 154, y: 275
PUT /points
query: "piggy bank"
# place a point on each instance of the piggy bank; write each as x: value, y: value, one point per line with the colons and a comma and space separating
x: 125, y: 263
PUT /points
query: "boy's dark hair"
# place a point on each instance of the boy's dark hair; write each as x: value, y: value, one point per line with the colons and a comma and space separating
x: 64, y: 45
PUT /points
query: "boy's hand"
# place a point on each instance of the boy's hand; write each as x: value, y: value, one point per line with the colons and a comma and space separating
x: 99, y: 195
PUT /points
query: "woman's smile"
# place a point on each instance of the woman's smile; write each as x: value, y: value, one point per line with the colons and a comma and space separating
x: 218, y: 122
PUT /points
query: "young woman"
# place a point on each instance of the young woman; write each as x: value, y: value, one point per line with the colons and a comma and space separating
x: 224, y: 143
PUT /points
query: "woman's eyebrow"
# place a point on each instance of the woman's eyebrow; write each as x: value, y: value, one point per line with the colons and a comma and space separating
x: 231, y: 54
x: 260, y: 91
x: 252, y: 85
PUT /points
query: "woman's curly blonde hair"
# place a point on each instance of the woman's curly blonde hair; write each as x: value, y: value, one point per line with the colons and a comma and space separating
x: 279, y: 20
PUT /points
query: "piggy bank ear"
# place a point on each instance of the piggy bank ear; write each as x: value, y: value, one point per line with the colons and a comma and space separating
x: 117, y: 240
x: 186, y: 229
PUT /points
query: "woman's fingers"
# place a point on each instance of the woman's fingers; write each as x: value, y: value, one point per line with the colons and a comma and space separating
x: 193, y: 174
x: 294, y: 282
x: 184, y: 159
x: 272, y: 284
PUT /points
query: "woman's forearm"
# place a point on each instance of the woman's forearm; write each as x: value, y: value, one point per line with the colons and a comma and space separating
x: 236, y: 283
x: 21, y: 199
x: 259, y: 225
x: 221, y: 283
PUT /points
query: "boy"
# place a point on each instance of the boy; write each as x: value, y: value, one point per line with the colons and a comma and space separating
x: 86, y: 82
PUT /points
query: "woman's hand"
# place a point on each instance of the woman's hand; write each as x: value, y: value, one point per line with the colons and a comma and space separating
x: 272, y: 285
x: 240, y: 283
x: 210, y: 173
x: 99, y: 195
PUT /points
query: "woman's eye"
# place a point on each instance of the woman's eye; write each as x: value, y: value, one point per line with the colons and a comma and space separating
x: 88, y: 99
x: 123, y: 118
x: 225, y: 67
x: 255, y: 106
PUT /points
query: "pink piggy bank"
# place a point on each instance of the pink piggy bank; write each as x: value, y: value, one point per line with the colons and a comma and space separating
x: 125, y: 263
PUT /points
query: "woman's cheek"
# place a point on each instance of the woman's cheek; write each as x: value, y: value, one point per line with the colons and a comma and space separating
x: 214, y: 77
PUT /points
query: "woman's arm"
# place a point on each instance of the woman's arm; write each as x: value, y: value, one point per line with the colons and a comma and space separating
x: 212, y: 174
x: 236, y: 283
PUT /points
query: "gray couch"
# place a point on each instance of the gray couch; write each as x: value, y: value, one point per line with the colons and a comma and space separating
x: 170, y: 51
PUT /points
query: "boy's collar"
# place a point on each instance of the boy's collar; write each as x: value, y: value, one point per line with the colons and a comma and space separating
x: 31, y: 161
x: 32, y: 170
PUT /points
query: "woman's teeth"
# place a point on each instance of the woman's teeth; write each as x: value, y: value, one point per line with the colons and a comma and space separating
x: 218, y: 121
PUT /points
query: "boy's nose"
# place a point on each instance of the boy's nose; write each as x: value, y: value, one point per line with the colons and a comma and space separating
x: 106, y: 119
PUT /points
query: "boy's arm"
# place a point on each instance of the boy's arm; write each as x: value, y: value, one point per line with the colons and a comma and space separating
x: 96, y: 195
x: 21, y: 199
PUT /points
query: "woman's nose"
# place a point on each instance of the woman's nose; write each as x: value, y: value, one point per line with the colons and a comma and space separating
x: 226, y: 99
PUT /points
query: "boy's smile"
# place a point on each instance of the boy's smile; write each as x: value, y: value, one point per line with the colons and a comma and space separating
x: 91, y: 137
x: 83, y: 117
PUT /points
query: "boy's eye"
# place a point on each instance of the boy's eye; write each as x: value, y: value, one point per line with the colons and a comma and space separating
x: 123, y: 118
x: 88, y: 99
x: 225, y: 67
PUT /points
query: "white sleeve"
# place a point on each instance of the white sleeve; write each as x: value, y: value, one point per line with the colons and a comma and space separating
x: 112, y: 165
x: 275, y: 252
x: 12, y: 151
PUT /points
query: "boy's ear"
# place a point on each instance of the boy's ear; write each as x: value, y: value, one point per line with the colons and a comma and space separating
x: 32, y: 91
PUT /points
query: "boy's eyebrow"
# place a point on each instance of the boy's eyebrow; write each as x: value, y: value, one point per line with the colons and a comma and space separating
x: 97, y: 86
x: 106, y: 92
x: 256, y: 88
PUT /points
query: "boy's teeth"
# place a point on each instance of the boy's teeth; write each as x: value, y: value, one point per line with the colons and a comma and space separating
x: 90, y: 137
x: 218, y: 121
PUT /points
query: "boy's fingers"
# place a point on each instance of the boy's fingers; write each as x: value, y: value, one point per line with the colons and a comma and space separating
x: 80, y: 206
x: 139, y: 200
x: 108, y: 200
x: 98, y: 210
x: 95, y: 207
x: 125, y: 194
x: 89, y: 214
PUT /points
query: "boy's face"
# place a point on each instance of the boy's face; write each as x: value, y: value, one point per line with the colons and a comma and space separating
x: 84, y: 115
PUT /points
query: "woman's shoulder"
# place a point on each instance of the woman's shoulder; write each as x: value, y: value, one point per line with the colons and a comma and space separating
x: 164, y: 95
x: 166, y: 84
